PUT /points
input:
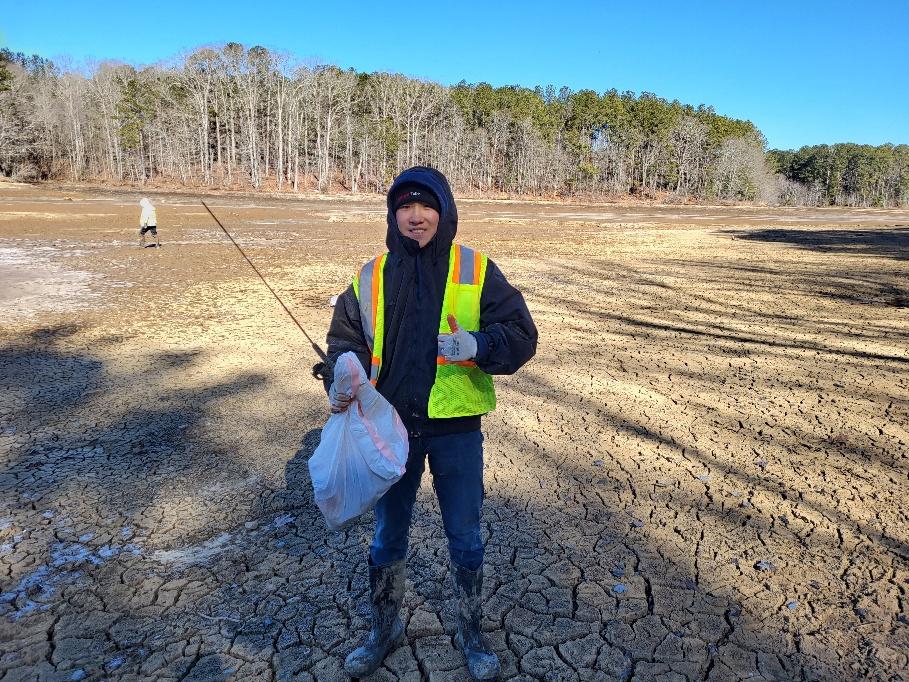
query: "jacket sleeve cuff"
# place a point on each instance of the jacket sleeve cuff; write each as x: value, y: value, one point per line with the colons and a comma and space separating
x: 482, y: 346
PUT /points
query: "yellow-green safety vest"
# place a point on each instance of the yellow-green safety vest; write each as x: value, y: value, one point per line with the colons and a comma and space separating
x: 461, y: 389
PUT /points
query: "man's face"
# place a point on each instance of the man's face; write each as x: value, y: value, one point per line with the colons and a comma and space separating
x: 418, y: 222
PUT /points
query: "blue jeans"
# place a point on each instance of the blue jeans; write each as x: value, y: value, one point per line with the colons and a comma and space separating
x: 456, y: 463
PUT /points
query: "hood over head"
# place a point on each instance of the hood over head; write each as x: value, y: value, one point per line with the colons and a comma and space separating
x: 436, y: 183
x: 144, y: 202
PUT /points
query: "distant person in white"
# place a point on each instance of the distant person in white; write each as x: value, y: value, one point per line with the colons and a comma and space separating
x: 148, y: 222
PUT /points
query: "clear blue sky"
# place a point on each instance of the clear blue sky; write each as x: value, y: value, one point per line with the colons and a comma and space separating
x: 805, y: 72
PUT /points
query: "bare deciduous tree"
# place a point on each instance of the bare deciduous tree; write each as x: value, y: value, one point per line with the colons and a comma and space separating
x: 239, y: 117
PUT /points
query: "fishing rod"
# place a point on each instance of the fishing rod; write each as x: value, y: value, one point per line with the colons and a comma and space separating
x: 312, y: 343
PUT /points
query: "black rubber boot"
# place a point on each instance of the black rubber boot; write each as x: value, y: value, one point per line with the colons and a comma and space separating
x: 481, y: 662
x: 386, y: 589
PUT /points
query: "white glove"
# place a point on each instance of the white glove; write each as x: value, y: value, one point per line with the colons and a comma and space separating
x: 458, y: 346
x: 337, y: 401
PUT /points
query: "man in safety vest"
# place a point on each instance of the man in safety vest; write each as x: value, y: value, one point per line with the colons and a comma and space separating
x: 431, y: 321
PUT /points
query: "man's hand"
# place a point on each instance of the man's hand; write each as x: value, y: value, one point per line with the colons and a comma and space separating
x: 338, y: 402
x: 458, y: 346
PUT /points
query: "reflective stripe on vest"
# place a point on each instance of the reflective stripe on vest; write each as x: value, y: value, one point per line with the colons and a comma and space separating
x: 460, y: 389
x: 372, y: 310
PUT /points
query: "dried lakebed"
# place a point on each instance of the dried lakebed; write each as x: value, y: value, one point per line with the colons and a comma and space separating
x: 703, y: 475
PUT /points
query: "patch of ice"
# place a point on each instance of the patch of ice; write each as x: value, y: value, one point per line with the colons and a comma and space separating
x: 36, y: 590
x: 115, y: 663
x: 63, y: 554
x: 194, y: 554
x: 107, y: 552
x: 35, y: 277
x: 30, y: 282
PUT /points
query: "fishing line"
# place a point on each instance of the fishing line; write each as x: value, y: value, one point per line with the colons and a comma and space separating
x: 312, y: 343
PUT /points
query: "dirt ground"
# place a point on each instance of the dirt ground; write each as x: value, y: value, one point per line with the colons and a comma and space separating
x: 703, y: 474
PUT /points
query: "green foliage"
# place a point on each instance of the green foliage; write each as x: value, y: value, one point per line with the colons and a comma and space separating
x: 34, y: 65
x: 722, y: 128
x: 388, y: 136
x: 584, y: 119
x: 6, y: 78
x: 849, y: 174
x: 478, y: 103
x: 134, y: 110
x: 650, y: 116
x: 779, y: 160
x: 588, y: 171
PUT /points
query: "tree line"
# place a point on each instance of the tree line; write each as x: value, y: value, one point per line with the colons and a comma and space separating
x: 238, y: 117
x: 846, y: 174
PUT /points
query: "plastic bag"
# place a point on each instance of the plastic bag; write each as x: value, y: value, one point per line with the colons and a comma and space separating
x: 363, y: 450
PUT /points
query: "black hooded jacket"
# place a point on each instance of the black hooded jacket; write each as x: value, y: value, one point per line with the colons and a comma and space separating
x: 414, y: 287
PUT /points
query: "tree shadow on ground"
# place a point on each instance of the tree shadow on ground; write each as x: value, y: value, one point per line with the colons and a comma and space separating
x: 570, y: 584
x: 687, y: 331
x: 869, y: 287
x: 87, y: 455
x: 890, y: 243
x: 756, y: 479
x: 735, y: 336
x: 658, y: 319
x: 93, y: 460
x: 736, y: 285
x: 79, y: 425
x: 697, y: 498
x: 739, y: 283
x: 285, y: 597
x: 31, y: 370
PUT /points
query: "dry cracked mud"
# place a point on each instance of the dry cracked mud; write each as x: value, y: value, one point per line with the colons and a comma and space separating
x: 703, y: 475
